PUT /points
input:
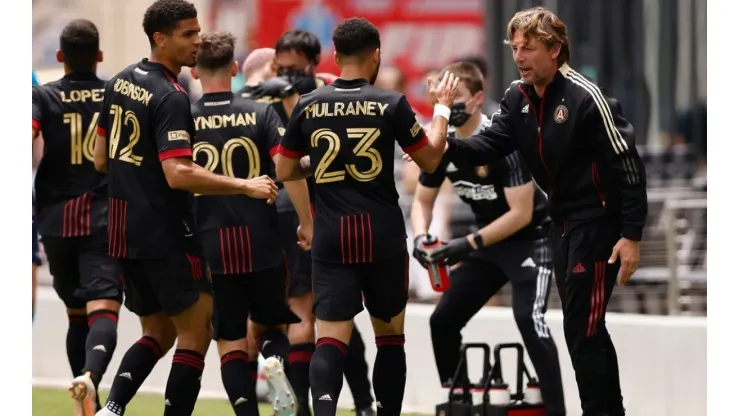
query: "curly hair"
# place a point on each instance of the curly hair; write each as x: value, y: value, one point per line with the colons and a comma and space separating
x: 164, y: 15
x: 355, y: 36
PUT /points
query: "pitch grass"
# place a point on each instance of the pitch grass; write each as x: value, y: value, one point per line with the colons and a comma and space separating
x: 56, y: 402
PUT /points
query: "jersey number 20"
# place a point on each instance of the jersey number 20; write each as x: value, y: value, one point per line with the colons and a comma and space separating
x: 227, y: 156
x: 363, y: 148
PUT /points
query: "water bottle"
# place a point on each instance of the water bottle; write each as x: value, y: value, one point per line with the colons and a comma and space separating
x: 439, y: 272
x: 532, y: 394
x: 499, y: 394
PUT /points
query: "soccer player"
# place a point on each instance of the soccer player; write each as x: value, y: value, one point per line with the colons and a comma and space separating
x: 581, y: 151
x: 298, y: 52
x: 71, y: 208
x: 144, y: 142
x: 511, y: 245
x: 348, y: 130
x: 238, y: 137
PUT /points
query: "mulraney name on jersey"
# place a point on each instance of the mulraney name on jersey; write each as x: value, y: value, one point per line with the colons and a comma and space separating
x: 352, y: 108
x: 222, y: 121
x: 475, y: 191
x: 133, y: 91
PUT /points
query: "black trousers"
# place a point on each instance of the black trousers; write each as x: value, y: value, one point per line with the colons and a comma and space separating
x: 528, y: 266
x: 585, y: 282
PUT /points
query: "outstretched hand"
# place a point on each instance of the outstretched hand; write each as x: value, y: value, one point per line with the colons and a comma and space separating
x: 444, y: 91
x: 628, y: 252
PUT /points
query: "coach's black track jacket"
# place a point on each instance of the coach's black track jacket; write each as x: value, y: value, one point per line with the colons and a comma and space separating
x: 578, y: 146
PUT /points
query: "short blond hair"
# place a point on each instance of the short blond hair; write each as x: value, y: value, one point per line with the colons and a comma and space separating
x: 216, y: 51
x: 543, y: 25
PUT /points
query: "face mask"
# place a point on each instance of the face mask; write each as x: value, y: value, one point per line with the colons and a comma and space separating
x: 458, y: 115
x: 302, y: 82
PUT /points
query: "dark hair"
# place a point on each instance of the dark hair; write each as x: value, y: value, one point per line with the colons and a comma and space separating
x: 164, y: 15
x: 301, y: 41
x: 355, y: 36
x: 216, y: 50
x: 478, y: 61
x: 468, y: 73
x: 80, y: 44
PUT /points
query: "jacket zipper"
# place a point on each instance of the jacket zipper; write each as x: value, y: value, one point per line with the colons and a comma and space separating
x: 539, y: 117
x: 595, y: 179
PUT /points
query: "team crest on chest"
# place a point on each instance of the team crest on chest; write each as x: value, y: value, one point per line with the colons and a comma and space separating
x: 482, y: 171
x: 561, y: 114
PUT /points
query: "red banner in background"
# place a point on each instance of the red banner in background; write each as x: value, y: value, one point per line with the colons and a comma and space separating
x: 416, y: 35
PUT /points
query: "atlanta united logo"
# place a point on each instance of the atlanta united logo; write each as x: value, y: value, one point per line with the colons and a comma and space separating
x: 482, y: 171
x: 561, y: 114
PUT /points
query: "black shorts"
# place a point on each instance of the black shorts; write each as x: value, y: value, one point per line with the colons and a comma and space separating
x: 261, y: 296
x: 170, y: 285
x: 298, y: 261
x: 82, y: 269
x: 339, y: 288
x: 35, y: 243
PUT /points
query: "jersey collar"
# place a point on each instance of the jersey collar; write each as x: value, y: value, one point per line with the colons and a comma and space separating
x: 81, y: 76
x: 148, y: 65
x: 349, y: 83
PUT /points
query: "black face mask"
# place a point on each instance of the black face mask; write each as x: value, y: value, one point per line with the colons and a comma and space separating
x: 458, y: 115
x: 301, y: 81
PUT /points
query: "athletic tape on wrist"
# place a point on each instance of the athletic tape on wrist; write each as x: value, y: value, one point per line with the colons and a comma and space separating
x: 442, y: 110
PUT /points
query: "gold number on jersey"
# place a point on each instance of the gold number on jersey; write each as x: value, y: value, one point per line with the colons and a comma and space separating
x: 80, y: 147
x: 366, y: 136
x: 321, y: 175
x: 364, y: 149
x: 227, y: 156
x: 120, y: 119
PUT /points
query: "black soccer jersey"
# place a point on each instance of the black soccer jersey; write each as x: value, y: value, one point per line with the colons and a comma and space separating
x: 146, y: 118
x: 349, y: 129
x: 71, y: 196
x: 237, y: 137
x: 482, y: 187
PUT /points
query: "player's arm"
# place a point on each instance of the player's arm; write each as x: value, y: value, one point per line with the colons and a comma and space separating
x: 291, y: 162
x: 100, y: 147
x: 614, y: 141
x: 37, y: 111
x: 427, y: 150
x: 492, y: 143
x: 297, y: 190
x: 519, y: 192
x: 421, y: 209
x: 173, y: 121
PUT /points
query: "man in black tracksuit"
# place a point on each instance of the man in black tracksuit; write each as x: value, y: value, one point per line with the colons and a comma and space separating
x: 581, y: 151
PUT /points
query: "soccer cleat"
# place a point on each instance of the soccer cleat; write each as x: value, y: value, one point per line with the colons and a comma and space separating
x: 83, y: 393
x: 368, y: 411
x: 281, y: 393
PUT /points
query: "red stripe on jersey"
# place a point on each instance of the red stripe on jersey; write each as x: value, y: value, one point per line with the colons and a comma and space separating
x: 230, y: 270
x: 289, y: 153
x: 75, y: 217
x: 223, y: 249
x: 36, y: 125
x: 123, y: 228
x: 111, y: 225
x: 357, y: 243
x: 416, y: 146
x: 238, y: 251
x: 370, y: 238
x: 341, y: 238
x: 249, y: 249
x: 169, y: 154
x: 174, y: 82
x: 362, y: 227
x: 274, y: 150
x: 89, y: 213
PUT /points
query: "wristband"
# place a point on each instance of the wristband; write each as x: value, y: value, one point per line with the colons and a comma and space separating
x: 478, y: 240
x: 442, y: 110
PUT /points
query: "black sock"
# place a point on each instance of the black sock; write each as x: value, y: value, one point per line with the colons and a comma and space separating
x: 327, y: 367
x: 254, y: 371
x: 76, y: 337
x: 274, y: 343
x: 135, y: 367
x: 235, y: 374
x: 183, y: 384
x: 356, y: 372
x: 299, y: 362
x: 101, y: 342
x: 389, y: 374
